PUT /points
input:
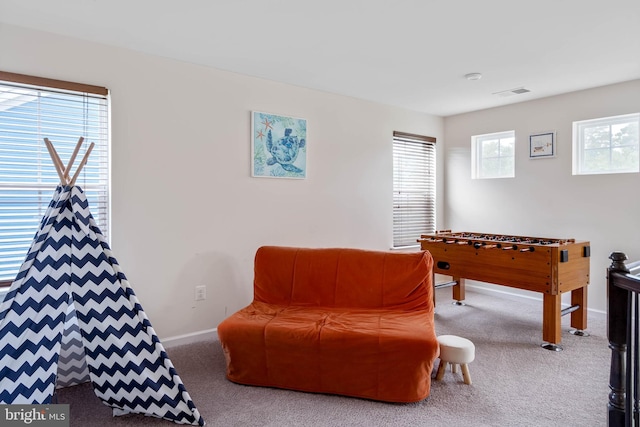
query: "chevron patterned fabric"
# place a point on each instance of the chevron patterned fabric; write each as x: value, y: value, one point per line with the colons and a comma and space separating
x: 72, y: 365
x: 71, y: 316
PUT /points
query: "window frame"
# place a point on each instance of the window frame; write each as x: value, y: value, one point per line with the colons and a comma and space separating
x: 91, y: 95
x: 409, y: 187
x: 477, y: 170
x: 579, y: 128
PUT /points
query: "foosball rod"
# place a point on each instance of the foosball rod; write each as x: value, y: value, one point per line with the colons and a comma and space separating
x: 476, y: 236
x: 568, y: 310
x: 445, y: 284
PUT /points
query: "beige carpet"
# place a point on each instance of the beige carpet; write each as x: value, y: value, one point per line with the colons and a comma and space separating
x: 515, y: 381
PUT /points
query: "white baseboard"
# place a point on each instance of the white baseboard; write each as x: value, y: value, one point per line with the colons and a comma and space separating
x: 193, y: 337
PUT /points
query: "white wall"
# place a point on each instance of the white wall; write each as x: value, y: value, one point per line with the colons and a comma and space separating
x: 545, y: 199
x: 185, y: 210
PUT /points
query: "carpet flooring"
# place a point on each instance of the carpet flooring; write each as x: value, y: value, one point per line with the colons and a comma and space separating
x: 515, y: 381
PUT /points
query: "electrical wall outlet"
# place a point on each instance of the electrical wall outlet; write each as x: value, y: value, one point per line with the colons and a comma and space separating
x: 201, y: 293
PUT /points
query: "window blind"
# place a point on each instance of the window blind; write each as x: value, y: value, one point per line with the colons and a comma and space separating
x: 32, y: 109
x: 414, y: 188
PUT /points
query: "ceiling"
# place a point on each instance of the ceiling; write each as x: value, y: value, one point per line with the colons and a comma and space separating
x: 407, y: 53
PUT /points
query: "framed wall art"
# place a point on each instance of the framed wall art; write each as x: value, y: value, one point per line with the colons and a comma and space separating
x: 278, y: 146
x: 542, y: 145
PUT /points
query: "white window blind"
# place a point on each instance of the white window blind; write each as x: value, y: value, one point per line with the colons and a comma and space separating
x: 414, y: 188
x: 32, y: 109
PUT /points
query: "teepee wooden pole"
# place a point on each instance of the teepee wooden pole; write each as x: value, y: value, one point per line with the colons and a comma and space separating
x: 73, y: 156
x: 56, y: 161
x: 82, y: 163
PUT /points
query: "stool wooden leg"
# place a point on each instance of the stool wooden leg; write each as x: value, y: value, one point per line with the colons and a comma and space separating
x: 454, y: 368
x: 465, y: 374
x: 441, y: 368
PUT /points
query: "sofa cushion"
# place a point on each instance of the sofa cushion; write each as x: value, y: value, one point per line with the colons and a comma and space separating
x: 376, y: 354
x: 343, y: 278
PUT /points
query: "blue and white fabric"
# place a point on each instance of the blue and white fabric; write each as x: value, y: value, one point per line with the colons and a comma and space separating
x: 71, y: 316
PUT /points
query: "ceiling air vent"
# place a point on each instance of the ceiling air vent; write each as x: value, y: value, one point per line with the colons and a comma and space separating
x: 511, y: 92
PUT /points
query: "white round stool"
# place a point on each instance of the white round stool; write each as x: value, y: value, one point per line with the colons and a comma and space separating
x: 456, y: 351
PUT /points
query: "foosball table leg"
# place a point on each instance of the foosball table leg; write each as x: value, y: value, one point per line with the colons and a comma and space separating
x: 458, y: 291
x: 579, y: 316
x: 551, y: 321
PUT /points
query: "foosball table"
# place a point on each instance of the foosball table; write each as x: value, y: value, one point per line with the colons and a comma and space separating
x: 548, y: 266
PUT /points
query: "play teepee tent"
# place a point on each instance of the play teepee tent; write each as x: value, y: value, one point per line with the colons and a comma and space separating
x: 70, y: 316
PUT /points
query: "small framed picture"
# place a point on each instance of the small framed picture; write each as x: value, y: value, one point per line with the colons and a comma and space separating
x: 542, y: 145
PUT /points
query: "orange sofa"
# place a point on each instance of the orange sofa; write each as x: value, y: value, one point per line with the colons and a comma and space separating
x: 342, y: 321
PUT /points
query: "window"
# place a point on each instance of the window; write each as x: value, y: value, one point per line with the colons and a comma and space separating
x: 32, y: 109
x: 414, y: 188
x: 493, y: 155
x: 606, y: 145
